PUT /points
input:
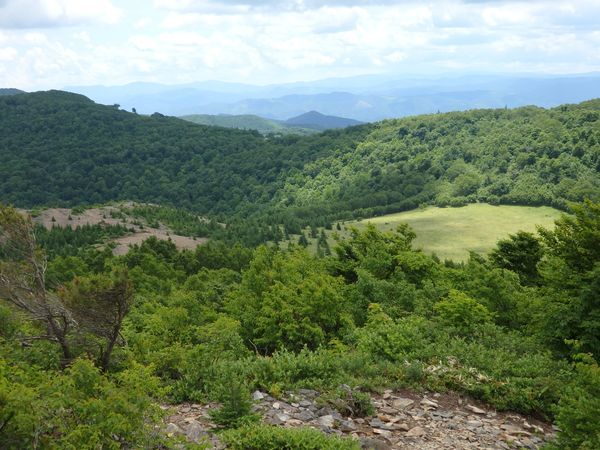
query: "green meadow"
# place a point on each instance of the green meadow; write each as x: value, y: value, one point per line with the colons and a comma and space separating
x: 451, y: 233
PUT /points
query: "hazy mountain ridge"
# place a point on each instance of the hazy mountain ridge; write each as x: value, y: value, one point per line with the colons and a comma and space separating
x: 247, y: 122
x: 364, y: 98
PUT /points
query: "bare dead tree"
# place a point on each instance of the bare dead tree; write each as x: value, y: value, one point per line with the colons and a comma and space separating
x: 23, y: 282
x: 88, y: 307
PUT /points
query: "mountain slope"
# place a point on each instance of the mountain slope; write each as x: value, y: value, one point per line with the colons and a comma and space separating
x: 62, y: 149
x: 248, y: 122
x: 318, y: 121
x: 10, y: 91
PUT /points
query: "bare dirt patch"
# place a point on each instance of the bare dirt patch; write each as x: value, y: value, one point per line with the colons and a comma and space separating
x: 64, y: 217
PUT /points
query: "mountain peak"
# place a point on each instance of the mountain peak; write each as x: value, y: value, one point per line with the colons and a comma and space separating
x: 315, y: 119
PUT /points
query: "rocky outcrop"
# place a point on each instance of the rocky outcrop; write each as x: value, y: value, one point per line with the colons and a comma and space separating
x: 402, y: 420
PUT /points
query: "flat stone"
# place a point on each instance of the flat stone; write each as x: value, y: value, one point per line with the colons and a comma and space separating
x: 474, y: 423
x: 257, y: 395
x: 304, y: 415
x: 305, y: 403
x: 276, y: 405
x: 402, y: 403
x: 294, y: 422
x: 308, y: 393
x: 282, y: 417
x: 368, y: 443
x: 416, y: 432
x: 195, y: 431
x: 326, y: 421
x: 347, y: 426
x: 388, y: 410
x: 475, y: 409
x: 401, y: 426
x: 376, y: 423
x: 172, y: 429
x: 429, y: 403
x: 382, y: 432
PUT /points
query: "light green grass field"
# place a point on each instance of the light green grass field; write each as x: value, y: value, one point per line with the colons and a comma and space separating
x: 452, y: 233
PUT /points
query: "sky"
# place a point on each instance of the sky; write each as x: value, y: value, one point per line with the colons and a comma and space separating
x: 48, y: 44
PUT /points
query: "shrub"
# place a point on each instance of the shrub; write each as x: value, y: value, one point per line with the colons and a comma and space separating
x: 578, y: 411
x: 264, y: 437
x: 236, y: 406
x: 351, y: 402
x: 461, y: 312
x: 80, y: 408
x: 384, y: 338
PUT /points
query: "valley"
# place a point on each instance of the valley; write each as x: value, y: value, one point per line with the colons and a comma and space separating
x: 203, y: 279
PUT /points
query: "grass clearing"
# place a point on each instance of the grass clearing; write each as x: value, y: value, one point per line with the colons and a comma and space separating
x: 451, y: 233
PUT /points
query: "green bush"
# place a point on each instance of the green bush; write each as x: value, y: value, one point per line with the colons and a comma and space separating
x: 78, y: 409
x: 461, y: 312
x: 384, y: 338
x: 264, y: 437
x: 351, y: 402
x: 236, y: 406
x: 579, y: 409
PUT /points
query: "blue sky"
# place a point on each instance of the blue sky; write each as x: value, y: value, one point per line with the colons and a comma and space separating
x: 56, y: 43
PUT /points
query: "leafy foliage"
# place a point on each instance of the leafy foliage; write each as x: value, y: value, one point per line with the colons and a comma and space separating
x: 264, y: 437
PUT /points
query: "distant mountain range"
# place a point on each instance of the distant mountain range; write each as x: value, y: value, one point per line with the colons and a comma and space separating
x: 364, y: 98
x: 307, y: 123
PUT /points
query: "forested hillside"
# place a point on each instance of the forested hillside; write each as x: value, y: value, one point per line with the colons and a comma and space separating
x: 247, y: 122
x: 62, y: 149
x: 93, y: 343
x: 91, y: 346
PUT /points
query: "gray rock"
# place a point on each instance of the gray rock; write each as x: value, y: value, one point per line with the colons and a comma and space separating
x: 402, y: 403
x: 416, y: 432
x: 475, y: 409
x: 195, y: 432
x: 304, y: 415
x: 401, y: 426
x: 282, y: 417
x: 257, y: 395
x: 274, y: 420
x: 376, y: 423
x: 474, y: 423
x: 173, y: 429
x: 347, y: 426
x: 382, y: 432
x: 429, y: 403
x: 326, y: 421
x: 368, y: 443
x: 309, y: 393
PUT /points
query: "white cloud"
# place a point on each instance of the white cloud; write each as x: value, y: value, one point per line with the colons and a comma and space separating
x: 8, y: 53
x: 268, y: 41
x: 56, y: 13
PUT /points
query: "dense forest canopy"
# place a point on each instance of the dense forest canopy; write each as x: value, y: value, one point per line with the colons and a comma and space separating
x: 62, y: 149
x: 88, y: 350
